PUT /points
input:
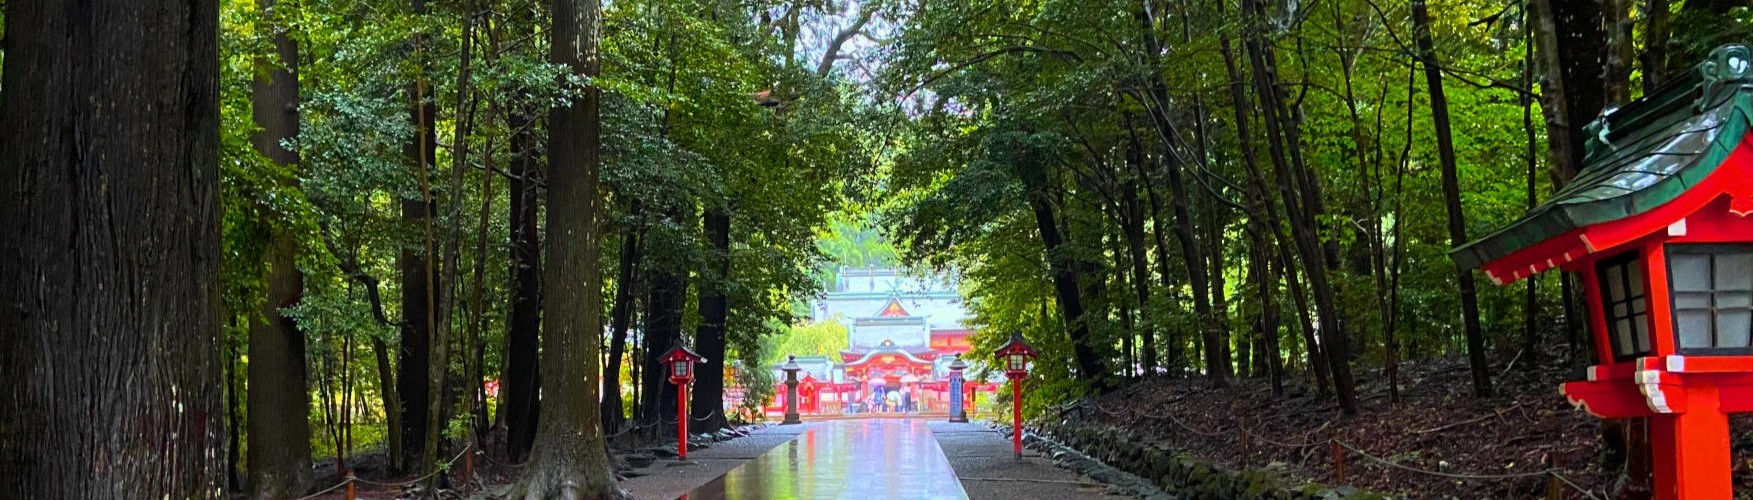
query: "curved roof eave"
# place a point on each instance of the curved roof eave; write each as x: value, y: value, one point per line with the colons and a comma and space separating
x: 1718, y: 107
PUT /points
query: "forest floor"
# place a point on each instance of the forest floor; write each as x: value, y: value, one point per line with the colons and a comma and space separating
x: 1444, y: 442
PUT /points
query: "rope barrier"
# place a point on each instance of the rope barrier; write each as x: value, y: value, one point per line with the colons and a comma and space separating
x: 351, y: 479
x: 1338, y: 459
x: 328, y: 490
x: 1449, y: 475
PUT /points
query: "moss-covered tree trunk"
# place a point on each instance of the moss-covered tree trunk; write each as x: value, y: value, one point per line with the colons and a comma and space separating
x: 109, y: 251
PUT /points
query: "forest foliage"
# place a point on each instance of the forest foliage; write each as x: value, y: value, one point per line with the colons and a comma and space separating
x: 1142, y: 188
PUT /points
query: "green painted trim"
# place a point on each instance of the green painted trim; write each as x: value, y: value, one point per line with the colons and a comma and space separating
x: 1720, y: 88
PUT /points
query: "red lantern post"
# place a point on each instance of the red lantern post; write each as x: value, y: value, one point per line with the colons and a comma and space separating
x: 681, y: 363
x: 1015, y: 355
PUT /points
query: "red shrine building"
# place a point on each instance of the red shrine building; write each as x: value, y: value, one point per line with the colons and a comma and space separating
x: 1659, y: 226
x: 902, y: 333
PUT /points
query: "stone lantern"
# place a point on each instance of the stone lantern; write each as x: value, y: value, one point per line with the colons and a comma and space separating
x: 790, y: 367
x: 957, y: 412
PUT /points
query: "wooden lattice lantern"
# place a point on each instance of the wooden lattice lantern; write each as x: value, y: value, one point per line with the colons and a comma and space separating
x: 1015, y: 356
x: 1658, y: 225
x: 680, y: 361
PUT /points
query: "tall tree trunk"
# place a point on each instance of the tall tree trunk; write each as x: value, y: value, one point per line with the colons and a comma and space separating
x: 109, y: 251
x: 233, y: 384
x: 475, y: 355
x: 1219, y: 298
x: 1260, y: 271
x: 1172, y: 357
x: 621, y: 318
x: 1132, y: 221
x: 445, y: 397
x: 709, y: 337
x: 1303, y: 206
x: 569, y: 458
x: 663, y: 328
x: 278, y: 397
x: 1445, y: 145
x: 1263, y: 200
x: 1217, y: 369
x: 1616, y: 75
x: 1573, y: 47
x: 1531, y: 300
x: 1654, y: 57
x: 524, y: 315
x: 425, y: 151
x: 1063, y: 269
x: 419, y: 301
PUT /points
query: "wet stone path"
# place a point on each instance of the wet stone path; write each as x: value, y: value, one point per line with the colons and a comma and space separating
x: 848, y: 459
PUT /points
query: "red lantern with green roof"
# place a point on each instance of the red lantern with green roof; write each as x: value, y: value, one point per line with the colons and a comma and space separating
x: 681, y: 361
x: 1659, y: 224
x: 1015, y: 356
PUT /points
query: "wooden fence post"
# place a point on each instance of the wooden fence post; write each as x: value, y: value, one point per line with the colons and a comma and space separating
x: 1338, y: 462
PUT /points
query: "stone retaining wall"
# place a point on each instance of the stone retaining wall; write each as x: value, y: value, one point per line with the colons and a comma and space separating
x: 1179, y: 474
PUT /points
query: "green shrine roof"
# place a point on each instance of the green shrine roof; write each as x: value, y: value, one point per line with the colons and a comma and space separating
x: 1640, y: 156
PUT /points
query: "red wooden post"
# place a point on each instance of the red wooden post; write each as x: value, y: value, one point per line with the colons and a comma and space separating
x: 682, y: 421
x: 1016, y: 435
x: 1242, y: 435
x: 681, y: 362
x: 350, y: 485
x: 468, y: 464
x: 1693, y: 449
x: 1338, y: 462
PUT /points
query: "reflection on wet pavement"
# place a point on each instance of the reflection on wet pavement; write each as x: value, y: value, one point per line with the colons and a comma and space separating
x: 862, y: 459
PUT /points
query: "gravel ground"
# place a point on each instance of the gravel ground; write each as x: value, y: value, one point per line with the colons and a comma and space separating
x: 983, y: 460
x: 666, y: 479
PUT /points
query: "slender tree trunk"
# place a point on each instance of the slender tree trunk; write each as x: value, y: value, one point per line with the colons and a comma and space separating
x: 419, y: 301
x: 233, y: 415
x: 1439, y: 112
x: 709, y: 337
x: 442, y: 384
x: 1264, y: 200
x: 1531, y: 300
x: 109, y: 251
x: 569, y: 460
x: 520, y: 406
x: 621, y: 318
x: 1064, y: 272
x: 1294, y: 186
x: 1616, y: 75
x: 386, y: 388
x: 1132, y: 220
x: 1260, y: 270
x: 278, y: 397
x: 1217, y: 369
x: 1657, y: 32
x: 476, y: 348
x: 663, y: 328
x: 1219, y: 298
x: 1172, y: 358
